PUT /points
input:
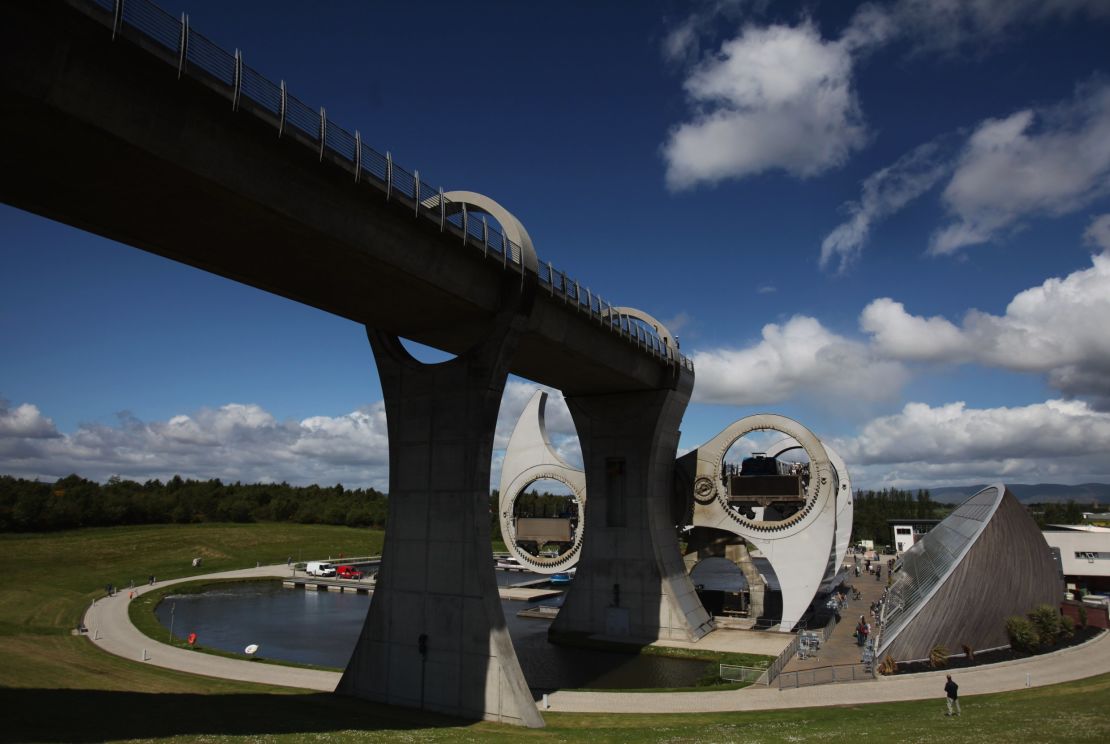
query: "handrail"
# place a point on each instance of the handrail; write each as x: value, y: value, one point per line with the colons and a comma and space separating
x: 191, y: 54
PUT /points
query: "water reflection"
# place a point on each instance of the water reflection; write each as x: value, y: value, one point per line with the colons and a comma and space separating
x: 321, y: 628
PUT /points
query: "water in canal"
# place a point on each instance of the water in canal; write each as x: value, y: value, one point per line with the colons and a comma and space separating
x: 322, y: 628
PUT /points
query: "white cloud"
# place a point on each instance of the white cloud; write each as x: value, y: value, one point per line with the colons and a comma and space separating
x: 800, y: 357
x: 1098, y: 232
x: 1031, y: 163
x: 773, y: 98
x: 1051, y: 441
x: 1057, y: 328
x: 885, y: 192
x: 233, y: 442
x: 24, y: 421
x: 899, y: 335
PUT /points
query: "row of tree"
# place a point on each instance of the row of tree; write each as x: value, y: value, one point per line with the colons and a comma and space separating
x: 71, y: 502
x: 872, y: 509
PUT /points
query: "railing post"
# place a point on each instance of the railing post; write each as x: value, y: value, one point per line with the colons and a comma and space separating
x: 183, y: 45
x: 442, y: 211
x: 117, y: 19
x: 485, y: 236
x: 505, y: 247
x: 464, y: 222
x: 565, y: 288
x: 323, y: 130
x: 590, y: 302
x: 416, y: 193
x: 578, y: 295
x: 282, y: 108
x: 358, y: 156
x: 237, y: 82
x: 550, y: 279
x: 388, y: 175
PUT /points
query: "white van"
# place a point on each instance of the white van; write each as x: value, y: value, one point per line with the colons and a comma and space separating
x: 319, y: 568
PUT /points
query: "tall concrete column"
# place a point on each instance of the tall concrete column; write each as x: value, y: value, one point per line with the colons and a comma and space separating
x: 435, y: 635
x: 631, y: 581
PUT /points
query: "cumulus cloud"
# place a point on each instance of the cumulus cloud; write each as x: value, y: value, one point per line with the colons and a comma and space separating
x: 232, y: 442
x: 1052, y: 441
x: 24, y: 421
x: 773, y: 98
x: 885, y: 192
x: 897, y: 334
x: 1056, y: 328
x: 799, y: 357
x: 1031, y: 163
x: 781, y: 97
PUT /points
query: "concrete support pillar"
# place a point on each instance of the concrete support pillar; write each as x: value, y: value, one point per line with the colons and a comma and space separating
x: 435, y: 636
x: 631, y: 581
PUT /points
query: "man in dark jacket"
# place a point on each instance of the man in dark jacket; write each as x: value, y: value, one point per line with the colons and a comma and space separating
x: 950, y: 690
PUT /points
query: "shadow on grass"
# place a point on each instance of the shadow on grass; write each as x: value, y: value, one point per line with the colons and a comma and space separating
x: 37, y: 715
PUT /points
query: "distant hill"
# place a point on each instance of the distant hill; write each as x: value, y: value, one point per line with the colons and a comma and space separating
x: 1039, y: 493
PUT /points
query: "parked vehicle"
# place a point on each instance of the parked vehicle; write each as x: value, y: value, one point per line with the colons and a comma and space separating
x: 348, y: 572
x: 319, y: 568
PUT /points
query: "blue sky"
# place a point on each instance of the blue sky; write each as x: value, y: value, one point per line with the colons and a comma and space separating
x: 890, y: 221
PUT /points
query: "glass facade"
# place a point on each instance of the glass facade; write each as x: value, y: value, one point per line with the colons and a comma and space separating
x: 924, y: 567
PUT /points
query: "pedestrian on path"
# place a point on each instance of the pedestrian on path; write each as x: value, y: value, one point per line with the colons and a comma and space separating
x: 950, y: 696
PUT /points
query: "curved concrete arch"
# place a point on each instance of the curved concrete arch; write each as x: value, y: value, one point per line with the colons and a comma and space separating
x: 529, y: 458
x: 844, y: 509
x: 513, y: 228
x: 660, y: 329
x: 799, y: 547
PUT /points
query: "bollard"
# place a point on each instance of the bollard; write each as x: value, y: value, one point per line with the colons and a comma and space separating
x: 96, y: 634
x: 546, y: 702
x: 1028, y: 679
x: 145, y: 656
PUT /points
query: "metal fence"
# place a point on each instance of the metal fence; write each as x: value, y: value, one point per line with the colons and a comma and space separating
x: 176, y: 43
x: 751, y: 675
x: 825, y: 675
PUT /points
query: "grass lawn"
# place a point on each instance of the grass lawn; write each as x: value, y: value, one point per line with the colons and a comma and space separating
x: 59, y: 687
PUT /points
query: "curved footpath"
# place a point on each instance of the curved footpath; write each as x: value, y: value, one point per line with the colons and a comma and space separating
x: 110, y: 628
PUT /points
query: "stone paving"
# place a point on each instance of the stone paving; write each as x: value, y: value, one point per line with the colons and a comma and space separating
x: 110, y: 628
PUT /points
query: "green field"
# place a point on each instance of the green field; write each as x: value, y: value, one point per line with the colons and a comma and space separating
x: 58, y: 687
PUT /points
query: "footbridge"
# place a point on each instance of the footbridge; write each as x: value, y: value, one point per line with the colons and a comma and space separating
x: 123, y: 120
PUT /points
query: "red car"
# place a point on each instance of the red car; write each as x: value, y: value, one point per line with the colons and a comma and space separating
x: 348, y: 572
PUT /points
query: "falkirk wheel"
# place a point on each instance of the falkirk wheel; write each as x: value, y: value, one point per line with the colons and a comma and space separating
x: 799, y: 517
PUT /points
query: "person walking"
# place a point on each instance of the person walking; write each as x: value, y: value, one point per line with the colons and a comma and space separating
x: 950, y: 696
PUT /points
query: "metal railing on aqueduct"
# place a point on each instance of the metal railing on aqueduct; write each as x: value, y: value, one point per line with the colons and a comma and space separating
x: 172, y: 40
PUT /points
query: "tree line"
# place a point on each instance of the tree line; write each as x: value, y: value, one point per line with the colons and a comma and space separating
x: 872, y: 509
x: 72, y: 502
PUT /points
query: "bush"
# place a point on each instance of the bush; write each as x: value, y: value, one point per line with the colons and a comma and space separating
x: 1067, y: 627
x: 1082, y: 614
x: 1046, y: 619
x: 1023, y: 634
x: 938, y: 657
x: 969, y: 652
x: 889, y: 666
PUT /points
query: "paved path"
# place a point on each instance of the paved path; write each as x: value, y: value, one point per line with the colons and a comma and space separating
x: 111, y: 629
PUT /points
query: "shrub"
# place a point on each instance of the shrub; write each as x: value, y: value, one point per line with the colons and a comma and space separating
x: 969, y: 652
x: 1023, y: 634
x: 889, y: 666
x: 1067, y: 627
x: 1046, y: 619
x: 1082, y: 615
x: 938, y: 657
